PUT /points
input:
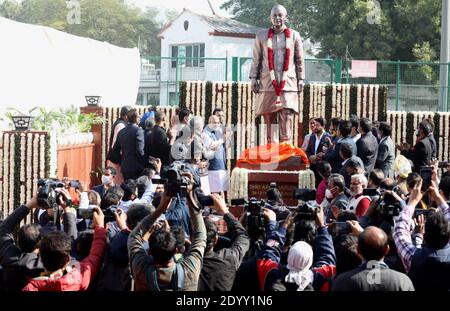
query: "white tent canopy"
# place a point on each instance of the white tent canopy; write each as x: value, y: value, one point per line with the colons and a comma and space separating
x: 41, y: 66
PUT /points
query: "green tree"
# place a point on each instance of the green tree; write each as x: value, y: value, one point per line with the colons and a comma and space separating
x: 9, y: 9
x: 339, y: 24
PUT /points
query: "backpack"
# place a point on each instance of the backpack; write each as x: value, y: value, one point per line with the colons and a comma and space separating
x: 176, y: 282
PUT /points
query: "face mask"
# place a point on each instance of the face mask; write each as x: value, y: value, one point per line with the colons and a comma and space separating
x: 328, y: 194
x: 106, y: 179
x: 354, y: 193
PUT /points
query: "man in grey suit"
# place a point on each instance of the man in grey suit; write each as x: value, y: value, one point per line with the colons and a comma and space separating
x: 367, y: 145
x: 386, y: 151
x: 373, y: 274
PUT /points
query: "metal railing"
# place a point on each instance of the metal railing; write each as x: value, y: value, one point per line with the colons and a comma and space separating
x: 413, y: 86
x: 175, y: 69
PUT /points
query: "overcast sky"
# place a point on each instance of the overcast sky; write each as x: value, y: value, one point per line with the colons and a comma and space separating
x: 198, y: 6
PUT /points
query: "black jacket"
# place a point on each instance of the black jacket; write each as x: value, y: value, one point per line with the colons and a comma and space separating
x: 17, y: 266
x: 130, y: 143
x: 433, y: 145
x: 160, y: 147
x: 430, y: 269
x: 147, y: 146
x: 367, y: 147
x: 115, y: 274
x: 420, y: 155
x: 219, y: 268
x: 100, y: 189
x: 310, y: 150
x: 332, y: 156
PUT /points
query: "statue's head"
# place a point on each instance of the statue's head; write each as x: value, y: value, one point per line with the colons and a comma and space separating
x: 278, y: 16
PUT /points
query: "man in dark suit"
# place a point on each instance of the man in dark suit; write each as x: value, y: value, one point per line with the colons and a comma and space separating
x: 149, y: 124
x: 367, y: 145
x: 431, y: 136
x: 422, y: 151
x: 373, y: 274
x: 130, y: 144
x: 108, y: 177
x: 161, y: 144
x: 350, y: 162
x: 386, y: 151
x: 318, y: 139
x: 332, y: 155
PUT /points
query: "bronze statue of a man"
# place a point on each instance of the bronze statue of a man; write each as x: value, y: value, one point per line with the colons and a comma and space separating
x: 277, y: 75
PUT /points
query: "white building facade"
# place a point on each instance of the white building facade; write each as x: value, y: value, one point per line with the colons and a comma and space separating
x: 205, y: 46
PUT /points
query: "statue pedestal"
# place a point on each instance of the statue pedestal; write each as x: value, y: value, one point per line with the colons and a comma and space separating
x: 249, y: 181
x: 292, y: 164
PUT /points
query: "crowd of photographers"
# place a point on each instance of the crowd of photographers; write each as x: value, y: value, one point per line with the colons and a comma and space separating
x: 374, y: 222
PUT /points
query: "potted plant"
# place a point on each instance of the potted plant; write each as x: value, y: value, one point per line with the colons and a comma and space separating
x: 22, y: 121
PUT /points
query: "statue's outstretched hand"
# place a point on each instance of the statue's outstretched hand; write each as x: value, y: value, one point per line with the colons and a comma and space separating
x: 255, y: 85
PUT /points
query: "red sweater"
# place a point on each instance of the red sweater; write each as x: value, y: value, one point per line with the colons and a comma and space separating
x: 79, y: 278
x: 362, y: 207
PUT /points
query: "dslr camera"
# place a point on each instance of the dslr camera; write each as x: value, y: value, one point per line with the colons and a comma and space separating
x: 86, y: 213
x: 389, y: 207
x: 254, y: 215
x: 306, y: 210
x: 47, y: 196
x: 175, y: 182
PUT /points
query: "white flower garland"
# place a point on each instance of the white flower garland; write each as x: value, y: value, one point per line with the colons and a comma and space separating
x: 447, y: 137
x: 333, y: 100
x: 104, y: 138
x: 250, y: 127
x: 11, y: 172
x: 199, y: 100
x: 188, y: 94
x: 240, y: 112
x: 323, y: 100
x: 22, y: 158
x: 2, y: 155
x: 347, y: 108
x: 371, y: 105
x: 29, y: 176
x: 35, y: 161
x: 42, y: 156
x: 377, y: 87
x: 6, y: 175
x: 339, y: 99
x: 53, y: 165
x: 203, y: 99
x: 213, y: 101
x: 358, y: 100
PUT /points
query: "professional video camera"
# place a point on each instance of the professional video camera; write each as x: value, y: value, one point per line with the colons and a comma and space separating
x: 47, y: 196
x: 306, y: 210
x: 175, y: 182
x: 86, y: 213
x: 388, y: 206
x: 254, y: 215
